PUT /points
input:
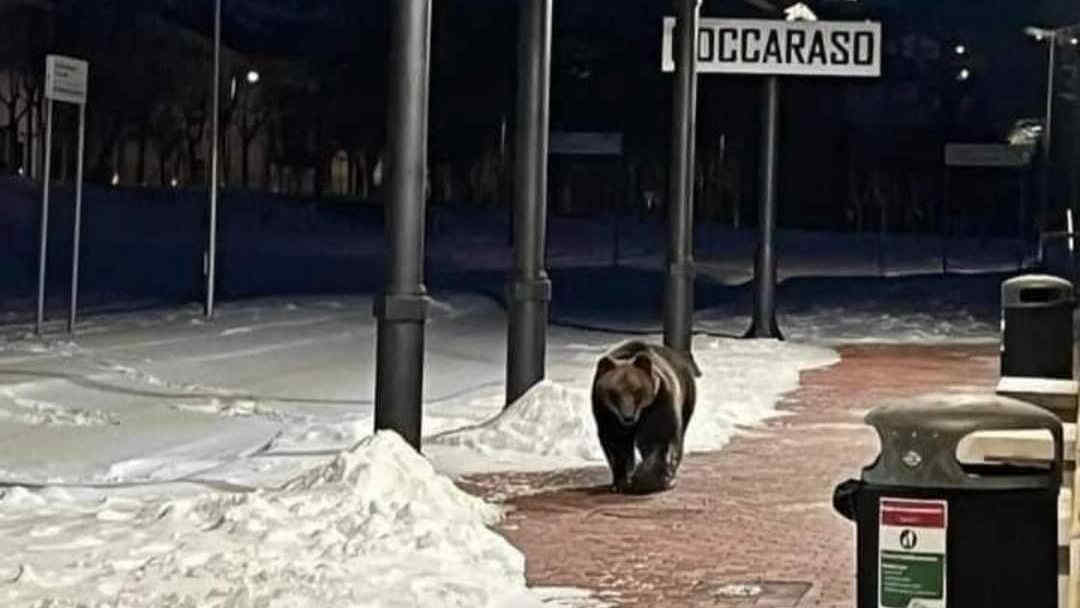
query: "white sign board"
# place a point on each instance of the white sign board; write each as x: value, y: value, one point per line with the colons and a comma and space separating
x: 66, y: 78
x: 792, y: 48
x: 585, y: 143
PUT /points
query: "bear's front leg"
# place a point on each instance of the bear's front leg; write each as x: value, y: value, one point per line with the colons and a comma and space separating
x: 619, y: 451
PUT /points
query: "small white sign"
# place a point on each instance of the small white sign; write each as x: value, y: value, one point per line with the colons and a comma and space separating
x: 912, y: 552
x: 66, y: 78
x: 793, y: 48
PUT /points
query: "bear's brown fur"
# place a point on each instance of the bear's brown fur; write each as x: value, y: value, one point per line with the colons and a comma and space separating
x: 643, y: 397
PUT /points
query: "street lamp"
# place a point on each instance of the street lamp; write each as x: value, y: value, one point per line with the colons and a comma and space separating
x: 252, y: 77
x: 1041, y: 34
x: 1053, y: 36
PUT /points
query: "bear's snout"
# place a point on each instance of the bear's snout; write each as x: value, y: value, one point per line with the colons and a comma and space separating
x: 627, y: 414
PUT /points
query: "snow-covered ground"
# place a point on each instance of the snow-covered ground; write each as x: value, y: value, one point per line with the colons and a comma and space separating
x: 156, y: 459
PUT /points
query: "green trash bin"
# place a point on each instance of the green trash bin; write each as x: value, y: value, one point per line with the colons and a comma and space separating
x: 935, y: 532
x: 1037, y: 327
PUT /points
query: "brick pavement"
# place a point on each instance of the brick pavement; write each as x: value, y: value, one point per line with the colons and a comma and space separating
x: 759, y: 511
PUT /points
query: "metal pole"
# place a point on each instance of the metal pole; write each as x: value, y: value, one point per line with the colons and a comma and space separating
x: 764, y: 321
x: 211, y: 256
x: 679, y: 286
x: 76, y: 237
x: 945, y: 223
x: 43, y: 253
x: 529, y: 289
x: 1048, y: 132
x: 402, y: 309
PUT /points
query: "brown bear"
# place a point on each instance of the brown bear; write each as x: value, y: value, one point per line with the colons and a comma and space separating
x: 643, y: 396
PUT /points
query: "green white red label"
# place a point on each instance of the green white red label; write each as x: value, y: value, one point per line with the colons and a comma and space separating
x: 911, y: 553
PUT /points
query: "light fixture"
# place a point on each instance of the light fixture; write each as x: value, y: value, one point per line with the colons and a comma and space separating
x: 174, y: 182
x: 252, y: 77
x: 1074, y: 41
x: 115, y: 179
x: 961, y: 49
x: 799, y: 12
x: 964, y: 74
x: 1038, y: 33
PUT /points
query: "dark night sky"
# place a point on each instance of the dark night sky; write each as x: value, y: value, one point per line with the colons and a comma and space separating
x: 617, y: 42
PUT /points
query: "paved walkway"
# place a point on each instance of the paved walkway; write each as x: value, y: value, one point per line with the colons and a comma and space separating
x: 757, y: 513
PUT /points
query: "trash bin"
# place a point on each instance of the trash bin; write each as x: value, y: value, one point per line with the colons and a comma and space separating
x: 1037, y: 327
x: 934, y: 532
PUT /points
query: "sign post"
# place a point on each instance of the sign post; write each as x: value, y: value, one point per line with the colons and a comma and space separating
x: 66, y: 80
x: 775, y: 48
x: 679, y: 280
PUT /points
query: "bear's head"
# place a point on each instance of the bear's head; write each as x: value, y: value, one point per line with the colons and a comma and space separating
x: 625, y: 387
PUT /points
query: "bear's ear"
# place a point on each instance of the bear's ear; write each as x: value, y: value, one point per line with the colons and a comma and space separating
x: 644, y: 363
x: 604, y: 366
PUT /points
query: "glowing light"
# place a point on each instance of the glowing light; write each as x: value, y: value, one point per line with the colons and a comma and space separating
x: 799, y: 12
x: 174, y: 182
x: 115, y: 178
x: 961, y: 49
x: 963, y: 75
x: 252, y: 76
x: 1074, y: 41
x: 22, y: 171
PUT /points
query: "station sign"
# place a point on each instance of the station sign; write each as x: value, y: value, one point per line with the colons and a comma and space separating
x: 773, y: 47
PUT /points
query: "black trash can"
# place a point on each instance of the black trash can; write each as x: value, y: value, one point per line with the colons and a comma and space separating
x: 1037, y: 327
x: 934, y: 532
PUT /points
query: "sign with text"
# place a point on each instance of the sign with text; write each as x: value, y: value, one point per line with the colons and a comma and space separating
x: 66, y: 78
x: 912, y: 553
x: 792, y: 48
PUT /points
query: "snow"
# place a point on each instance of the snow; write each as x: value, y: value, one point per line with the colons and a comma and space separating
x: 375, y: 526
x: 552, y: 422
x: 269, y: 485
x: 157, y: 459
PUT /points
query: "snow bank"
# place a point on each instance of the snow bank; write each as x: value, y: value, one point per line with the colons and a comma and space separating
x: 552, y: 426
x: 850, y: 325
x: 548, y: 420
x: 375, y: 526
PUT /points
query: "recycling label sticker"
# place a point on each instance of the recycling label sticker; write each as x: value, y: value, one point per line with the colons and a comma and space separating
x: 911, y: 553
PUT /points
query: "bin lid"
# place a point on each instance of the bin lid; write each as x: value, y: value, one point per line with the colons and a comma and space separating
x: 1035, y: 291
x: 919, y: 442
